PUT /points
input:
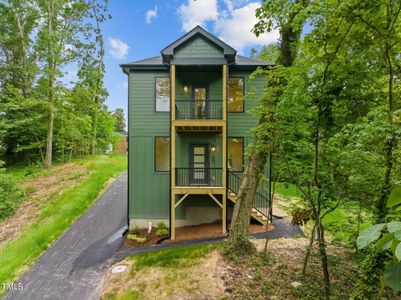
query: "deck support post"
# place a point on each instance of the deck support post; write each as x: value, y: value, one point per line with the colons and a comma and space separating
x: 224, y: 213
x: 172, y: 152
x: 224, y: 150
x: 172, y: 229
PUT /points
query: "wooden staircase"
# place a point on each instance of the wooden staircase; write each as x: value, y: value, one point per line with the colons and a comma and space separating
x: 260, y: 210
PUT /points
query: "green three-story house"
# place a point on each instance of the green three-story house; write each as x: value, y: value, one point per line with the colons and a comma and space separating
x: 189, y: 125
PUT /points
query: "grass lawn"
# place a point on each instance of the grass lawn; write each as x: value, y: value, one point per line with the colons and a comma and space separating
x: 164, y: 274
x: 341, y: 223
x: 286, y: 189
x: 57, y: 215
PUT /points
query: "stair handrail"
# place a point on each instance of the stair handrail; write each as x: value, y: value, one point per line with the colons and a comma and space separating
x: 258, y: 196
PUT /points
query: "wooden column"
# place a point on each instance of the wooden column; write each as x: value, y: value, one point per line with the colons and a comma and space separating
x: 172, y: 230
x: 224, y: 212
x: 172, y: 92
x: 224, y: 149
x: 172, y: 152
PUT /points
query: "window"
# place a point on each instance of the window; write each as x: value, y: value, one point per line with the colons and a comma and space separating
x: 162, y: 94
x: 162, y: 154
x: 236, y: 94
x: 236, y: 154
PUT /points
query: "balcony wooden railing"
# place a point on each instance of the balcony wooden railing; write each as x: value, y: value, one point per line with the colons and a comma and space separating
x: 198, y: 177
x: 199, y: 109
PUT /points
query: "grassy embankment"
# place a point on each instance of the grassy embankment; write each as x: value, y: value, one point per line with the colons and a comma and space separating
x: 58, y: 213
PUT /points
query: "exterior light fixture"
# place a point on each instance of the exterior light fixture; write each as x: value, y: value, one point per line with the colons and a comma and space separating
x: 213, y: 148
x: 185, y: 90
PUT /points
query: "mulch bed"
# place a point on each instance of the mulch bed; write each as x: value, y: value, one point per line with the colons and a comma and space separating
x: 186, y: 233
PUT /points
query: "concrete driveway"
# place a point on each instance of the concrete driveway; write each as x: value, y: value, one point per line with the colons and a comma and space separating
x: 74, y: 267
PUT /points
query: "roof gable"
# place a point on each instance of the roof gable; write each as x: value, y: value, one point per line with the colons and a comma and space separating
x: 197, y: 35
x: 198, y: 47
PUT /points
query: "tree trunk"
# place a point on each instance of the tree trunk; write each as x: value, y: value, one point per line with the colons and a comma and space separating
x: 97, y: 97
x: 94, y: 132
x: 358, y: 224
x: 385, y: 192
x: 256, y: 162
x: 323, y: 257
x: 51, y: 73
x: 243, y: 206
x: 308, y: 250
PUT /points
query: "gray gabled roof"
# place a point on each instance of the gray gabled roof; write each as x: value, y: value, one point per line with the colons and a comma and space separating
x: 157, y: 62
x: 198, y: 30
x: 162, y: 61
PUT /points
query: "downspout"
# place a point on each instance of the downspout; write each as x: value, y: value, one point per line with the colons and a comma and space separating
x: 128, y: 148
x: 227, y: 174
x: 169, y: 218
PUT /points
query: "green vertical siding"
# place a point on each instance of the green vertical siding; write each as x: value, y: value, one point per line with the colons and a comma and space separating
x: 144, y: 120
x: 149, y: 190
x: 239, y: 124
x: 198, y: 48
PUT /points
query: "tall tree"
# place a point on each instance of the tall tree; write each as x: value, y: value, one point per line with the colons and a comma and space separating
x: 18, y: 69
x: 118, y: 114
x: 62, y: 20
x: 98, y: 13
x: 289, y: 17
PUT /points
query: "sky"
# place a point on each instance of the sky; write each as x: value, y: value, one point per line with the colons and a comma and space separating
x: 140, y: 29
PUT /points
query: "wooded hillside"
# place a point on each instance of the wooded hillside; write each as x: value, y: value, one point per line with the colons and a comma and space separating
x: 44, y: 115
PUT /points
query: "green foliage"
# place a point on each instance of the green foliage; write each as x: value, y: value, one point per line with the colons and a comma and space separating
x: 130, y: 295
x: 268, y: 53
x: 330, y: 118
x: 162, y: 232
x: 387, y: 242
x: 138, y: 239
x: 369, y: 235
x: 241, y: 247
x: 161, y: 225
x: 395, y: 198
x: 10, y: 194
x: 38, y: 106
x: 56, y: 217
x: 118, y: 115
x: 286, y: 189
x: 135, y: 229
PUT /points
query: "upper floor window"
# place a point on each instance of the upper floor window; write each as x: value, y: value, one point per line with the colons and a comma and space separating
x: 236, y: 94
x: 162, y: 94
x: 162, y: 153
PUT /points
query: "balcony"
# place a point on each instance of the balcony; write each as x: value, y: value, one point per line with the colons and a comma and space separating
x: 199, y: 115
x: 198, y: 177
x: 199, y: 109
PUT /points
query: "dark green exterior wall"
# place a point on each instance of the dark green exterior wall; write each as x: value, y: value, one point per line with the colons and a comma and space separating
x: 198, y: 48
x: 149, y: 190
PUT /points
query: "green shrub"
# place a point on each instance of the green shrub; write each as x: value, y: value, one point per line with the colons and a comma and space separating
x: 138, y: 239
x: 161, y: 225
x: 10, y: 194
x: 162, y: 232
x: 134, y: 229
x: 240, y: 248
